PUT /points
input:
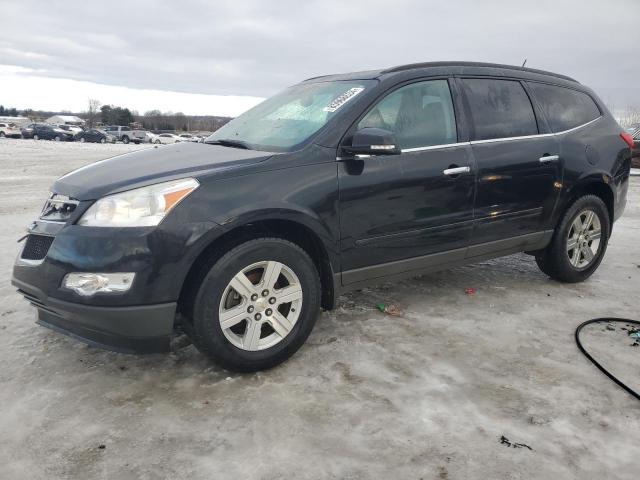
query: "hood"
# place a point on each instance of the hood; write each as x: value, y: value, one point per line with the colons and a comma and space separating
x: 153, y: 165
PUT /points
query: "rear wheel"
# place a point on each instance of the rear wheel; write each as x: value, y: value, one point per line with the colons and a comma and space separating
x: 256, y: 305
x: 82, y: 140
x: 36, y: 137
x: 1, y: 134
x: 103, y: 140
x: 125, y: 140
x: 57, y: 138
x: 579, y: 243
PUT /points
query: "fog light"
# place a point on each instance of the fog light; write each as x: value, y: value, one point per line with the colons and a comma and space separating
x: 87, y: 284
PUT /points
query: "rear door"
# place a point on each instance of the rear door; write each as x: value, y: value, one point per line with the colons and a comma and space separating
x: 405, y: 212
x: 519, y: 169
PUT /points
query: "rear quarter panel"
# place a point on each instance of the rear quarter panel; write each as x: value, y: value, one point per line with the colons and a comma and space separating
x: 594, y: 153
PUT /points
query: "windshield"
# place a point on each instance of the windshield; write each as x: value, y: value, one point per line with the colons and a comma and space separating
x: 283, y: 122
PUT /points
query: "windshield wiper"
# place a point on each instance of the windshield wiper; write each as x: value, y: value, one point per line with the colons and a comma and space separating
x: 229, y: 142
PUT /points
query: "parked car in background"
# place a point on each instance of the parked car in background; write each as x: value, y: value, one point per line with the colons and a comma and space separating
x: 27, y: 132
x: 42, y: 131
x: 126, y: 134
x: 151, y: 137
x: 187, y: 137
x: 73, y: 129
x: 169, y: 138
x: 95, y: 135
x: 635, y: 160
x: 634, y: 127
x: 10, y: 130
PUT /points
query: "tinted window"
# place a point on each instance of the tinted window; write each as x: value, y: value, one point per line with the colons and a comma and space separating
x: 420, y: 115
x: 564, y: 108
x: 500, y: 108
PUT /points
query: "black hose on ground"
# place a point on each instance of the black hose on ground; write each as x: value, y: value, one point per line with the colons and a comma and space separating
x: 593, y: 360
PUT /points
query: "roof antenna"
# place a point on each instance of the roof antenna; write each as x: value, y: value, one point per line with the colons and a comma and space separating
x: 524, y: 63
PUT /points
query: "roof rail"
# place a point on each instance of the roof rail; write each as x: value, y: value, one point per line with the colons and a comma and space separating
x: 412, y: 66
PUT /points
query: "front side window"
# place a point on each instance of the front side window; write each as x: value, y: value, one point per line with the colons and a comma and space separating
x: 564, y: 108
x: 499, y: 108
x: 420, y: 115
x: 283, y: 122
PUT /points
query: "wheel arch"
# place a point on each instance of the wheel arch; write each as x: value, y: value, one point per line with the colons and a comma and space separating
x: 598, y: 185
x: 295, y: 231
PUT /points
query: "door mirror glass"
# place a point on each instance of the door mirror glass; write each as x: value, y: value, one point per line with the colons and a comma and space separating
x: 373, y: 141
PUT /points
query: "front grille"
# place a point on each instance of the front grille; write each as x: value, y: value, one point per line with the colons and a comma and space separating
x: 36, y: 247
x: 58, y: 208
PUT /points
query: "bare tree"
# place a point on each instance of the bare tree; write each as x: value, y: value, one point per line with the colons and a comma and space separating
x: 630, y: 116
x: 92, y: 111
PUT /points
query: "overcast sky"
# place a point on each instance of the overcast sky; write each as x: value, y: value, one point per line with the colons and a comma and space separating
x: 220, y: 57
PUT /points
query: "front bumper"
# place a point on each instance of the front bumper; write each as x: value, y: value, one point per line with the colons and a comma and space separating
x: 132, y: 329
x: 139, y: 320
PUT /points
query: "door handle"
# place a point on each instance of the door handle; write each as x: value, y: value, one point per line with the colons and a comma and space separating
x: 549, y: 158
x: 456, y: 171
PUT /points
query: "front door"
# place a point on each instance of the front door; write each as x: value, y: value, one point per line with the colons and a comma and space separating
x: 405, y: 212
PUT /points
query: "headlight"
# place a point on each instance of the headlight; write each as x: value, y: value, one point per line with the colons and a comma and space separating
x: 142, y: 207
x: 87, y: 284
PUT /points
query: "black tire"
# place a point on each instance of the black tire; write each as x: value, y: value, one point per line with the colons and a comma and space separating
x: 103, y: 140
x: 125, y: 140
x: 1, y: 134
x: 36, y: 137
x: 57, y: 138
x: 204, y: 328
x: 82, y: 139
x: 554, y: 260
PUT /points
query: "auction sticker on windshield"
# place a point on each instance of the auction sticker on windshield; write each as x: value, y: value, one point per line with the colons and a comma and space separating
x: 342, y: 99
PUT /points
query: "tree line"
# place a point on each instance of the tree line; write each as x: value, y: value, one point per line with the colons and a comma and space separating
x: 98, y: 114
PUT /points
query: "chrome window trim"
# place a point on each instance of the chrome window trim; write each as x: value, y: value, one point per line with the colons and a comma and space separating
x: 490, y: 140
x: 509, y: 139
x: 579, y: 126
x: 434, y: 147
x: 539, y: 135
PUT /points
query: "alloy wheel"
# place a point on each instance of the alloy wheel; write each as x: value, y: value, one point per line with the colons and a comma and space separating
x: 260, y: 305
x: 583, y: 239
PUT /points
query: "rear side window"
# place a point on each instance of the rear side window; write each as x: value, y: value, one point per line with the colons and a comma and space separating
x: 420, y: 115
x: 499, y: 108
x: 564, y: 108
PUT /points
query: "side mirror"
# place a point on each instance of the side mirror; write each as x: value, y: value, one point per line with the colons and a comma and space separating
x: 373, y: 141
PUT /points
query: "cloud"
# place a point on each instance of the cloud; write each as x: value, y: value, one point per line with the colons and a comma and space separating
x: 252, y: 47
x: 28, y: 90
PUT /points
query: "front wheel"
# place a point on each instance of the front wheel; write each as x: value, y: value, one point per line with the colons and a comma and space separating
x: 125, y: 140
x: 579, y: 242
x: 1, y: 134
x: 36, y: 137
x: 103, y: 140
x: 256, y: 305
x: 82, y: 139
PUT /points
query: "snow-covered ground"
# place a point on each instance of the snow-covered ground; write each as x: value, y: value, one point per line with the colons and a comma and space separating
x: 428, y: 394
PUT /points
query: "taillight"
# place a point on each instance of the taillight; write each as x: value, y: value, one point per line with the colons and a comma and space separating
x: 628, y: 139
